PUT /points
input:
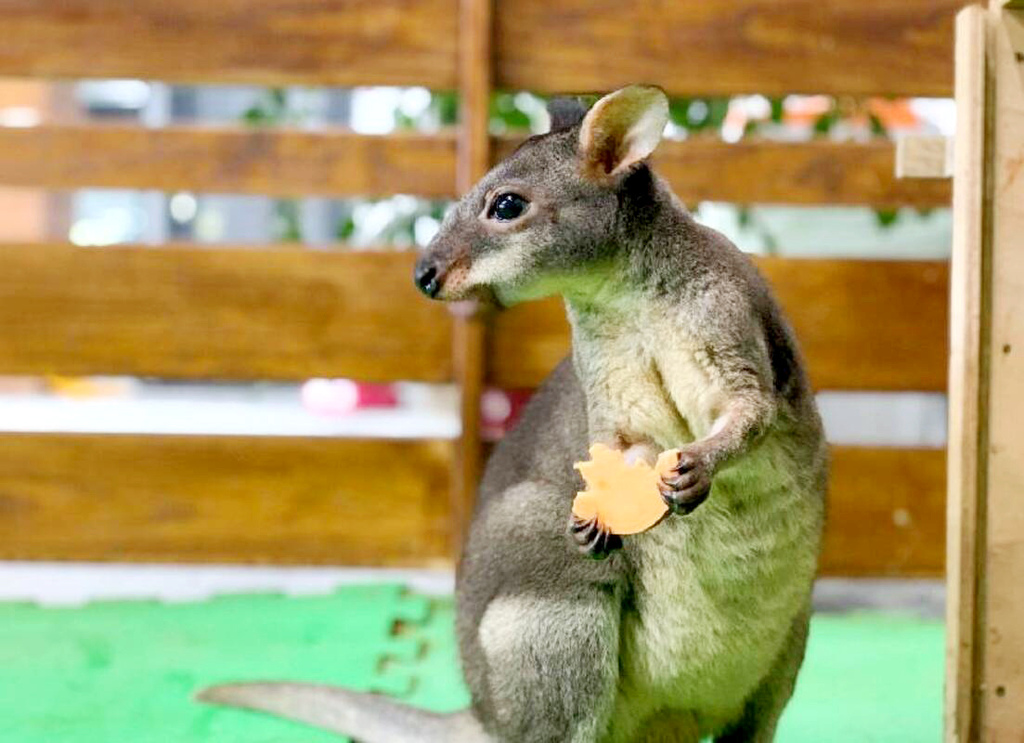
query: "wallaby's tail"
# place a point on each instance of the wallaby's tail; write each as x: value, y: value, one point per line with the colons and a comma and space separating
x: 367, y: 718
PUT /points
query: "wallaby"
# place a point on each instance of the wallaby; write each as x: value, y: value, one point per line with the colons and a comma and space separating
x: 697, y: 627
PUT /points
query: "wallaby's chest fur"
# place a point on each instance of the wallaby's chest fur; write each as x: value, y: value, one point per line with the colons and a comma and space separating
x: 643, y: 373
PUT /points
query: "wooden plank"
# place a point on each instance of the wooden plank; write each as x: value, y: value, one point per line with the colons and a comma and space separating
x: 863, y: 325
x: 1001, y: 683
x: 300, y: 42
x: 809, y: 173
x: 223, y: 499
x: 303, y: 501
x: 695, y: 48
x: 690, y: 48
x: 966, y: 413
x: 761, y: 171
x: 469, y: 334
x: 218, y: 313
x: 288, y: 162
x: 228, y: 159
x: 897, y: 529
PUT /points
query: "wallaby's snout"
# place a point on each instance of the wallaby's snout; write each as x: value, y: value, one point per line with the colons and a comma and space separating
x: 442, y: 269
x: 428, y: 276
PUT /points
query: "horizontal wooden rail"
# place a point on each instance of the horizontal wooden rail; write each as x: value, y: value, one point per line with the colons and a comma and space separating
x: 314, y: 42
x: 691, y: 47
x: 227, y: 160
x: 289, y: 162
x: 886, y: 513
x: 283, y: 500
x: 818, y: 172
x: 223, y: 499
x: 863, y: 325
x: 291, y: 314
x: 695, y: 47
x: 218, y: 313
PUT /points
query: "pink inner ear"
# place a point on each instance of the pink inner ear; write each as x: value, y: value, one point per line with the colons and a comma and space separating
x: 606, y: 144
x: 611, y: 151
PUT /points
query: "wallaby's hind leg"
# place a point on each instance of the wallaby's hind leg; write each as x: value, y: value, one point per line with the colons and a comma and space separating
x: 762, y: 711
x: 552, y: 665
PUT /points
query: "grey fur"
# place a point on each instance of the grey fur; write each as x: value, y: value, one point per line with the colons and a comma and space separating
x: 698, y: 626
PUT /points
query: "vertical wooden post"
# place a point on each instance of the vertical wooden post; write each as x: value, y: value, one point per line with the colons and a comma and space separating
x: 469, y: 336
x: 1002, y: 679
x: 985, y: 669
x: 965, y: 460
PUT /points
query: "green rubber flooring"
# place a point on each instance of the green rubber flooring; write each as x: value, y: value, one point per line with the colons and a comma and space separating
x: 124, y: 672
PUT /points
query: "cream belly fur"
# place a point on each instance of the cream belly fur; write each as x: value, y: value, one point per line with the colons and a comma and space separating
x: 717, y: 590
x: 717, y: 593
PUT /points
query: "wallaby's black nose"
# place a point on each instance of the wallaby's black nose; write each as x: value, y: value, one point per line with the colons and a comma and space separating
x: 428, y: 279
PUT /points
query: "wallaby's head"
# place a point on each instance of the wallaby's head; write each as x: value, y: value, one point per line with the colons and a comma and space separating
x: 539, y: 220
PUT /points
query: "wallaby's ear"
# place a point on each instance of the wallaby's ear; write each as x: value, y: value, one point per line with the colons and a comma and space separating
x: 622, y: 129
x: 565, y: 113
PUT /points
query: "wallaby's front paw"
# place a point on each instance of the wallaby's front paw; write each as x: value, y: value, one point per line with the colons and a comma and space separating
x: 592, y: 540
x: 688, y: 484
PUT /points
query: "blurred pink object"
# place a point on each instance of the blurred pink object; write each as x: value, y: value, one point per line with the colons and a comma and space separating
x: 343, y: 396
x: 499, y: 411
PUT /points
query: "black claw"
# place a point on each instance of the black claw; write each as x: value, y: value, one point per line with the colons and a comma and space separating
x: 684, y: 501
x: 603, y: 544
x: 684, y: 481
x: 592, y: 540
x: 581, y: 526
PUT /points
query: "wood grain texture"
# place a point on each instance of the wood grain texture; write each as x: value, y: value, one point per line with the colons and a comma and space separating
x: 292, y: 314
x: 806, y: 173
x: 298, y: 42
x: 762, y: 171
x: 218, y: 314
x: 288, y: 162
x: 350, y: 502
x: 863, y: 325
x: 228, y: 160
x: 476, y: 19
x: 886, y: 513
x: 1001, y: 683
x: 689, y: 47
x: 223, y: 499
x: 968, y: 316
x: 694, y: 47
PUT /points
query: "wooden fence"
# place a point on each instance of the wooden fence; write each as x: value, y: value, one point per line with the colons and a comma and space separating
x: 281, y: 313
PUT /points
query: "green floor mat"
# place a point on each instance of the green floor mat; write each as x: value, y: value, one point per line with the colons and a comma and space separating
x: 868, y: 679
x: 124, y: 672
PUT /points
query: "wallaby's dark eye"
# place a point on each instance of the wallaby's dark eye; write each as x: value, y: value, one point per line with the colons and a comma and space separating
x: 507, y: 206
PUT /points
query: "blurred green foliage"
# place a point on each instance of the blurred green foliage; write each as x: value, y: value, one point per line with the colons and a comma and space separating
x: 517, y: 112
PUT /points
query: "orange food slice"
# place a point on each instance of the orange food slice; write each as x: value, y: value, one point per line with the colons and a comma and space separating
x: 622, y: 498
